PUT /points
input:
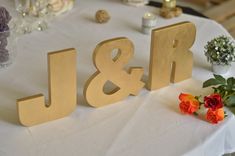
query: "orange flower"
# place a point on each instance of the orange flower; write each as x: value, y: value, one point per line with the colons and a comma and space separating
x: 214, y: 116
x: 188, y: 103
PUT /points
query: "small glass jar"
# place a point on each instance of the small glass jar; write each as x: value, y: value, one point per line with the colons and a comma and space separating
x: 7, y: 48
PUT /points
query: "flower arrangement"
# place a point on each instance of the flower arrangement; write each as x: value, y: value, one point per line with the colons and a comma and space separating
x: 220, y: 51
x: 4, y: 34
x: 4, y: 19
x: 223, y: 95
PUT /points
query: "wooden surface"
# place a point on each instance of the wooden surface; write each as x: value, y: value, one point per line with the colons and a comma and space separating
x: 217, y: 1
x: 222, y: 11
x: 62, y: 91
x: 204, y: 3
x: 229, y: 24
x: 170, y: 58
x: 111, y: 70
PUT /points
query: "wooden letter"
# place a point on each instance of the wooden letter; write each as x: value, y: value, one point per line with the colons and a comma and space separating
x: 62, y: 91
x: 170, y: 58
x: 112, y: 70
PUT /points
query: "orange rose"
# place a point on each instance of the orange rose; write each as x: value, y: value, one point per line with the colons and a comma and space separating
x: 188, y: 103
x: 214, y: 116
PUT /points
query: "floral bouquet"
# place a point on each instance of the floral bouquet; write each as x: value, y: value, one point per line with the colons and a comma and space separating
x: 220, y: 52
x: 224, y: 95
x: 4, y: 34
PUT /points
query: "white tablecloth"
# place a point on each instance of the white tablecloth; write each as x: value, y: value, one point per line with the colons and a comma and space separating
x: 149, y: 124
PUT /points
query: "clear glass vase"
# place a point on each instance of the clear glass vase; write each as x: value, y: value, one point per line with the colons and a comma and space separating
x: 7, y: 48
x: 33, y: 15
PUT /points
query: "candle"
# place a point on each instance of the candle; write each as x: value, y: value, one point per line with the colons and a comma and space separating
x: 136, y: 2
x: 149, y: 20
x: 170, y: 4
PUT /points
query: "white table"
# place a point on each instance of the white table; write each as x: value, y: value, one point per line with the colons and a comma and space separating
x: 149, y: 124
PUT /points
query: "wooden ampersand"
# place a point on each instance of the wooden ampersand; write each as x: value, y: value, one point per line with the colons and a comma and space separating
x: 62, y: 91
x: 112, y: 70
x: 170, y: 58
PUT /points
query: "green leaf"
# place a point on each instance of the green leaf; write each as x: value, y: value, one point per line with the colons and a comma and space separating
x: 211, y: 82
x: 195, y: 113
x: 233, y: 81
x: 230, y: 101
x: 225, y: 114
x: 230, y: 81
x: 220, y: 78
x: 232, y: 109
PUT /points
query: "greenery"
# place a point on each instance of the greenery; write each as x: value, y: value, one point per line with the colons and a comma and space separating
x: 224, y: 87
x: 220, y: 50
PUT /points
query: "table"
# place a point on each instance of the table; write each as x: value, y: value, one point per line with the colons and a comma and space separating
x: 149, y: 124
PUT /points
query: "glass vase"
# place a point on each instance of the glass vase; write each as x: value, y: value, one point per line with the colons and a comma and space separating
x: 7, y: 48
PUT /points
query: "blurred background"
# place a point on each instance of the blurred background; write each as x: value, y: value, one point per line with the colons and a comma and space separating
x: 222, y: 11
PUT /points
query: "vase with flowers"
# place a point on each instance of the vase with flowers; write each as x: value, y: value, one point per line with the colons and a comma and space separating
x: 7, y: 39
x: 220, y: 52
